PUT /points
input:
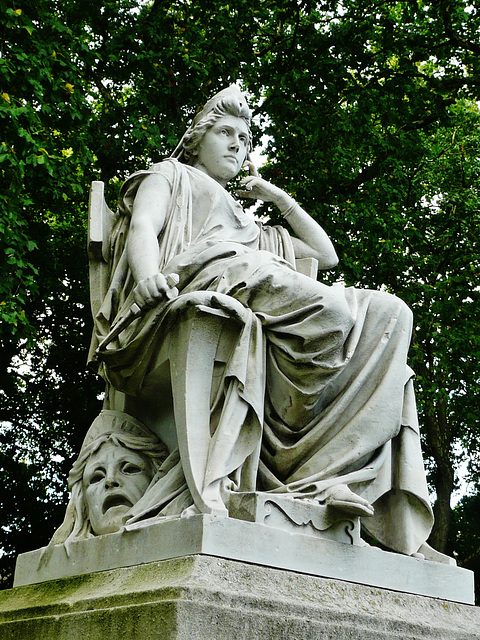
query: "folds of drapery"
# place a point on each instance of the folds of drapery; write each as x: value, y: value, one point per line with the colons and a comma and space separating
x: 358, y: 421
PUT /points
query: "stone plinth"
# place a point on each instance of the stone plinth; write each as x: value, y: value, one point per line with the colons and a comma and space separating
x: 253, y: 543
x: 211, y: 598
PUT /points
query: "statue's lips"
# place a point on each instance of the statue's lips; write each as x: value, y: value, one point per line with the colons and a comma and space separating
x: 116, y: 500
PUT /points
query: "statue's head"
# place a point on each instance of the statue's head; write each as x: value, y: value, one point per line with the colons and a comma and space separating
x: 117, y: 462
x: 227, y: 106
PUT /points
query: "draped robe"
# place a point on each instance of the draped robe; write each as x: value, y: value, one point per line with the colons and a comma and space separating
x: 316, y: 391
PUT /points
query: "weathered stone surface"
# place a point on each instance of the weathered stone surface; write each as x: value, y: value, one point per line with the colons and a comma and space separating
x: 248, y: 542
x: 208, y: 598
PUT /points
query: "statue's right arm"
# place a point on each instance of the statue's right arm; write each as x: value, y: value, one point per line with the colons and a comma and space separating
x: 148, y: 219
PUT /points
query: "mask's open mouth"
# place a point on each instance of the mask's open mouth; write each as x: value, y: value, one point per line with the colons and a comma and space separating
x: 117, y: 500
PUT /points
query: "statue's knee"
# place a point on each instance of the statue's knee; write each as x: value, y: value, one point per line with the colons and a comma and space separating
x: 389, y: 304
x: 340, y: 313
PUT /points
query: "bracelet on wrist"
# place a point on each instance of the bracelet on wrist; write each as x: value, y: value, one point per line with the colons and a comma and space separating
x: 289, y: 210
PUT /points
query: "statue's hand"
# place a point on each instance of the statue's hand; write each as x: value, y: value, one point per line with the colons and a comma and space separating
x: 154, y: 288
x: 258, y: 188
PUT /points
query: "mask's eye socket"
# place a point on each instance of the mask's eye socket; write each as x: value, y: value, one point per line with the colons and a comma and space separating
x: 130, y: 468
x: 97, y: 476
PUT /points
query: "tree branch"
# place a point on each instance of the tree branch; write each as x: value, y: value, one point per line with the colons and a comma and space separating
x: 455, y: 39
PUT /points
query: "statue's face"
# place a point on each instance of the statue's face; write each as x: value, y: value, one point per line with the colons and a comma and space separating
x: 223, y: 149
x: 115, y: 478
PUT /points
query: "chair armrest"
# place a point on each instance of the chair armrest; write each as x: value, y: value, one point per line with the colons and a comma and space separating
x: 307, y: 266
x: 100, y: 223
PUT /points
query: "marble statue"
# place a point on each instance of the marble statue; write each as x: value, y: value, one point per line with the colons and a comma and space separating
x: 260, y: 379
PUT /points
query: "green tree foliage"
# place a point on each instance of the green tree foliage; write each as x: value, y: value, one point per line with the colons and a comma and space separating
x: 45, y: 161
x: 370, y: 108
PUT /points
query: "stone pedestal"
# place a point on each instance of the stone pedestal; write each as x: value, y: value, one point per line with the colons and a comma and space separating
x: 211, y: 578
x: 210, y: 598
x: 247, y: 542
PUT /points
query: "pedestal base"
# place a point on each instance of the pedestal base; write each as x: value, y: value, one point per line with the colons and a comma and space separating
x: 248, y: 542
x: 209, y: 598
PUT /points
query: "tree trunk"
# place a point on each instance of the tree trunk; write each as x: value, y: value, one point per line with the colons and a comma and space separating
x: 444, y: 484
x: 439, y: 440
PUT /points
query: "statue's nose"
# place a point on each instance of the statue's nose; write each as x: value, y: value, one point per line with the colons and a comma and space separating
x: 235, y: 143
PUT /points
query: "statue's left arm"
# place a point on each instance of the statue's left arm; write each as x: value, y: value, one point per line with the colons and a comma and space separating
x: 311, y: 240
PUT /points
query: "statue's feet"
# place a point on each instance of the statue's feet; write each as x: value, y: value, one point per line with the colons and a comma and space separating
x: 426, y: 552
x: 342, y: 498
x: 215, y: 510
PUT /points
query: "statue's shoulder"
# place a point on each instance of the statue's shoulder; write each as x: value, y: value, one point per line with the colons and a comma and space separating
x: 173, y: 170
x: 168, y: 168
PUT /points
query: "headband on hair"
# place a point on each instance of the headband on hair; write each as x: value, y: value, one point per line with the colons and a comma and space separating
x: 231, y: 92
x: 109, y: 421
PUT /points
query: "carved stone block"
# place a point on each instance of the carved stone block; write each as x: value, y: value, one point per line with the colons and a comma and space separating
x: 296, y: 516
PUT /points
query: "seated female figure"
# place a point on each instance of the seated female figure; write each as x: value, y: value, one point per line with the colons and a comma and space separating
x: 316, y: 398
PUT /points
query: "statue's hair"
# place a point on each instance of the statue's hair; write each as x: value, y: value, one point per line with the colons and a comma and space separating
x: 151, y: 448
x: 228, y: 106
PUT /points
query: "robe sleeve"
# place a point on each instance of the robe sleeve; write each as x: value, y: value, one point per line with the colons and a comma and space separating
x: 277, y: 240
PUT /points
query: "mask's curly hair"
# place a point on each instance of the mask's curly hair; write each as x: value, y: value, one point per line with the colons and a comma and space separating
x: 226, y: 107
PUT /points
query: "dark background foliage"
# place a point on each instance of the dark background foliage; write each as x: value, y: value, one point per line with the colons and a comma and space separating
x: 369, y: 112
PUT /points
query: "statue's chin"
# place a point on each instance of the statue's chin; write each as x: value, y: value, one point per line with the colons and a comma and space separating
x: 111, y: 521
